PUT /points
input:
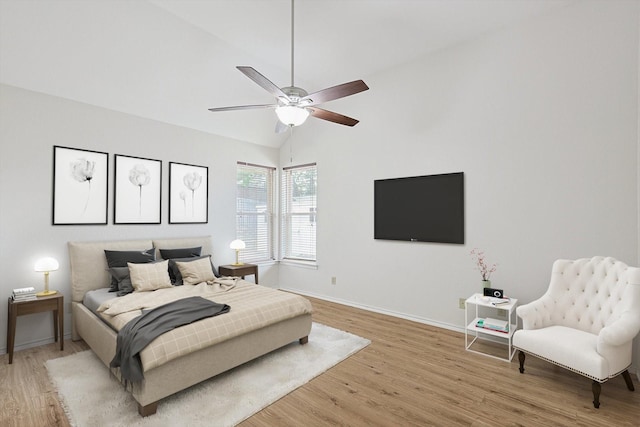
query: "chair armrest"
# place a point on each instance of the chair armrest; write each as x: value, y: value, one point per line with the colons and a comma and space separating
x: 536, y: 314
x: 621, y: 331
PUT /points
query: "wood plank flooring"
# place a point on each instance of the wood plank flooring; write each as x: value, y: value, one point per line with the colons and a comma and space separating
x: 411, y: 375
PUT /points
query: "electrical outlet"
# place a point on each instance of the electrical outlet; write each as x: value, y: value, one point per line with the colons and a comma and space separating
x: 461, y: 303
x: 333, y: 280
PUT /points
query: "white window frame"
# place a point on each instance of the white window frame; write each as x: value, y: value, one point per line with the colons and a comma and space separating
x: 255, y: 224
x: 298, y: 218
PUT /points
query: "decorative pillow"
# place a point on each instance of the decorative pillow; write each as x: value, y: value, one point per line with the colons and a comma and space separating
x: 121, y: 276
x: 121, y: 258
x: 196, y: 271
x: 180, y: 253
x: 149, y: 276
x: 174, y: 271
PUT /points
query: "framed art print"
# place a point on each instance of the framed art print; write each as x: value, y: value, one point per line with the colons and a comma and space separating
x: 137, y: 190
x: 79, y: 186
x: 188, y: 194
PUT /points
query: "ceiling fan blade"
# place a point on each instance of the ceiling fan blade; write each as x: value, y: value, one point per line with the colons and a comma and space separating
x: 281, y: 127
x: 335, y: 92
x: 262, y: 81
x: 332, y: 117
x: 243, y: 107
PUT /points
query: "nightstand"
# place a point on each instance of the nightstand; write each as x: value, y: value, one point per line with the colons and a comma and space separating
x: 482, y: 307
x: 239, y: 270
x: 53, y: 303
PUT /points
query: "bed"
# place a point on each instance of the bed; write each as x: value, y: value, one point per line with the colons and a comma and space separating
x: 178, y: 372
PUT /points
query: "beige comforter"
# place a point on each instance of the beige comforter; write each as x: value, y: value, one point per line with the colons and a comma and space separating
x: 252, y: 307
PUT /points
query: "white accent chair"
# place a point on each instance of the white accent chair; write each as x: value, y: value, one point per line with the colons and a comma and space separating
x: 586, y: 321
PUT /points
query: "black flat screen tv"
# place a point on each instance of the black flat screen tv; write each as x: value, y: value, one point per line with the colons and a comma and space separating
x: 426, y: 208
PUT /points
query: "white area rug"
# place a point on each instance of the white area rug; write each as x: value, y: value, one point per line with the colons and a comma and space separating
x: 92, y: 397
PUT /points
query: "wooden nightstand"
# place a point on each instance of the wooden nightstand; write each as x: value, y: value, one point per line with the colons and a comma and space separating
x: 53, y: 303
x: 239, y: 270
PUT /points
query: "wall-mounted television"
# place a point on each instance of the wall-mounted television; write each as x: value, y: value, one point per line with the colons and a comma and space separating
x: 426, y: 208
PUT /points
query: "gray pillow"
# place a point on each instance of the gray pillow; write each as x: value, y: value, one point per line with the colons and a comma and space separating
x: 121, y: 258
x: 123, y: 281
x: 180, y: 253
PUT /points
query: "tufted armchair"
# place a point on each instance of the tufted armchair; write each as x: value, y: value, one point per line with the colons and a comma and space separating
x: 586, y: 321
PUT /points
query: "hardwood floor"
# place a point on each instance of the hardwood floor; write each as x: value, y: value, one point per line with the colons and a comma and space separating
x: 411, y: 375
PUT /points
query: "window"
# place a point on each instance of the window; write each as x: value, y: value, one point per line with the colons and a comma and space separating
x: 298, y: 223
x: 254, y: 211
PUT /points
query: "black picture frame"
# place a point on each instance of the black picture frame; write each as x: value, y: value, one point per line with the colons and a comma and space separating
x: 80, y: 186
x: 188, y: 194
x: 137, y: 188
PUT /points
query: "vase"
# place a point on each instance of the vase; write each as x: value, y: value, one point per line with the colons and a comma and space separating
x: 486, y: 284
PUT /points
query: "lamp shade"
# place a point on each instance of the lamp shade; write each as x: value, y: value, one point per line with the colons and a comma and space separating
x: 237, y: 244
x: 46, y: 264
x: 291, y: 115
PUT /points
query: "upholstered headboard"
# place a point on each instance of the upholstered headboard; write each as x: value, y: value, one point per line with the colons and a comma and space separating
x: 89, y: 264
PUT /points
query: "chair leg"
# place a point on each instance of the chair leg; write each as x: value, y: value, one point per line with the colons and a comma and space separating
x: 627, y: 379
x: 521, y: 360
x: 595, y: 386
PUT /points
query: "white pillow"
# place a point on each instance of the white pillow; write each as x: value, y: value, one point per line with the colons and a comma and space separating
x: 194, y: 272
x: 149, y: 276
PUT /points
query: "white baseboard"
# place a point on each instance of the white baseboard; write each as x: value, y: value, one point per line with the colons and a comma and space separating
x: 31, y: 344
x: 423, y: 320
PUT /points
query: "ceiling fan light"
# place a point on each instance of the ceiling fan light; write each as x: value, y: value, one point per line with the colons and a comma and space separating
x: 291, y: 115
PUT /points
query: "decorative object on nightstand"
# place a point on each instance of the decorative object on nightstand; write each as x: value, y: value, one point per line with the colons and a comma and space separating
x: 46, y: 265
x: 24, y: 294
x: 237, y: 245
x: 485, y: 271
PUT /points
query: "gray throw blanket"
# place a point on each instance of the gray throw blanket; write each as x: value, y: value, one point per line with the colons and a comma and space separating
x: 139, y: 332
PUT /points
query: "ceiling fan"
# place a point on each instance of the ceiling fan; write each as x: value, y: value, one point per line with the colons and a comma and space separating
x: 294, y: 104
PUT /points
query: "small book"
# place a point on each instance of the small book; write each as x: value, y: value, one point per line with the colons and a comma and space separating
x: 28, y: 290
x: 24, y: 297
x: 493, y: 325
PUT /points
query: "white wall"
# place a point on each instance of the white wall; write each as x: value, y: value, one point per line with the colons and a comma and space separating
x: 32, y: 124
x: 543, y: 120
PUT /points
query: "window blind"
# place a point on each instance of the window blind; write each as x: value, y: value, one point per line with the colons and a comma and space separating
x: 254, y: 211
x: 298, y: 209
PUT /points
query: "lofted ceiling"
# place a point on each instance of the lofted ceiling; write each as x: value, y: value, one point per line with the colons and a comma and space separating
x: 170, y: 60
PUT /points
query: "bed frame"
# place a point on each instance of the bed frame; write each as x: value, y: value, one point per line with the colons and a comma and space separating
x: 89, y: 271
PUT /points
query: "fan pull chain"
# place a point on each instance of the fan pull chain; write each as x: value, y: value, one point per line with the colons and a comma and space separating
x: 291, y: 146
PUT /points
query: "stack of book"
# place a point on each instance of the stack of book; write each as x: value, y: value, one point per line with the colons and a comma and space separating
x: 24, y: 294
x: 493, y: 324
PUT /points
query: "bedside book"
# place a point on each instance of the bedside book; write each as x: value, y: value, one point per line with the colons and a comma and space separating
x: 493, y: 324
x: 24, y: 294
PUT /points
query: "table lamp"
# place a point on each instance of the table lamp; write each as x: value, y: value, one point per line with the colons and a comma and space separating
x: 237, y: 245
x: 46, y: 265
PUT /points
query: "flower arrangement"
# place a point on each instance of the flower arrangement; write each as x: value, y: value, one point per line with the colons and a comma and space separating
x: 481, y: 265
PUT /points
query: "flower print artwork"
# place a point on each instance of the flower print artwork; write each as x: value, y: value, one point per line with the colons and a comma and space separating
x: 82, y: 171
x: 137, y: 190
x: 188, y: 193
x: 183, y: 197
x: 139, y: 176
x: 79, y: 186
x: 192, y: 181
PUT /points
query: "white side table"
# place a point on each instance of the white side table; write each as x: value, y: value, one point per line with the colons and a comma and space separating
x: 481, y: 307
